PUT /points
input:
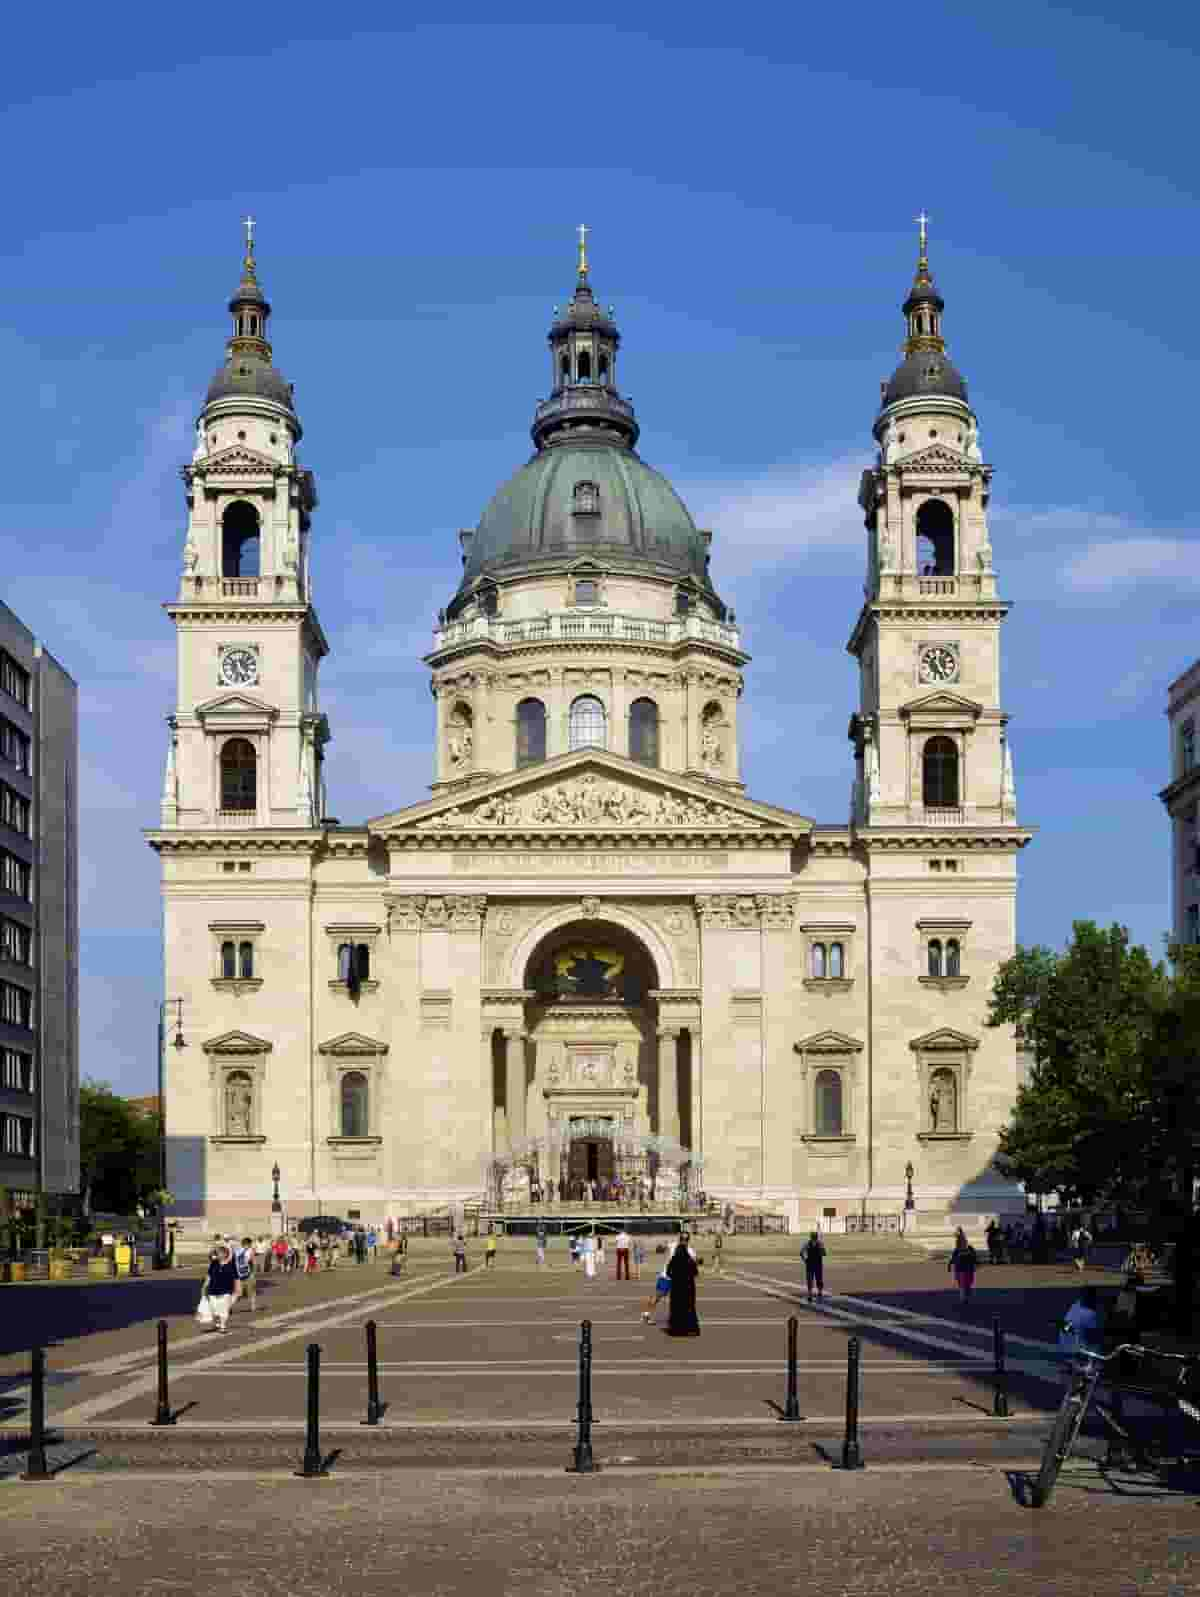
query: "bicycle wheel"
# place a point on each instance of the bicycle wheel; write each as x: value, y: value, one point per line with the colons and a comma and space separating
x: 1058, y: 1445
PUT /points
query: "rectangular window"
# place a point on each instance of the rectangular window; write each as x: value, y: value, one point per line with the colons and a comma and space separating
x: 15, y: 810
x: 14, y: 746
x: 16, y: 1135
x: 16, y: 1005
x: 16, y: 1070
x: 16, y: 942
x: 15, y: 876
x: 1187, y: 747
x: 14, y: 679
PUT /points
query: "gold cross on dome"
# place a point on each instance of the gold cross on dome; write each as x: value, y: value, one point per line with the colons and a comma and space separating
x: 922, y: 222
x: 583, y: 231
x: 248, y: 224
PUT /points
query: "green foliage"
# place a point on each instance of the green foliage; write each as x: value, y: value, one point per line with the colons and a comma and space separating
x: 1111, y: 1104
x: 118, y: 1149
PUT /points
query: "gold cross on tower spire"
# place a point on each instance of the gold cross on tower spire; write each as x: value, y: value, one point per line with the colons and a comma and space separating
x: 583, y: 231
x: 248, y: 224
x: 922, y: 222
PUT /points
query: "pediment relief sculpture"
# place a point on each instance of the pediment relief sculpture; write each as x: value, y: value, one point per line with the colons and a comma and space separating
x: 588, y: 801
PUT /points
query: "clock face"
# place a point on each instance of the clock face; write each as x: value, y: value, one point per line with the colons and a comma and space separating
x: 938, y: 664
x: 239, y: 667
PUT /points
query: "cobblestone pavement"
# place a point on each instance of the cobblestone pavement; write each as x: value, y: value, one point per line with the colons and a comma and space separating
x: 702, y: 1487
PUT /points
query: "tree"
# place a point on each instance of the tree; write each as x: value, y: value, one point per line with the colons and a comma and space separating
x: 118, y: 1150
x: 1079, y: 1125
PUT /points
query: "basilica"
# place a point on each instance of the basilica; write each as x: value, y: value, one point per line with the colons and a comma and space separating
x: 589, y: 953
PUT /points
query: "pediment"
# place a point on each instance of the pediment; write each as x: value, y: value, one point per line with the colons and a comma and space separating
x: 235, y: 704
x: 945, y: 1037
x: 942, y: 702
x: 352, y: 1042
x: 238, y: 461
x: 592, y: 790
x: 936, y: 457
x: 828, y: 1042
x: 237, y: 1042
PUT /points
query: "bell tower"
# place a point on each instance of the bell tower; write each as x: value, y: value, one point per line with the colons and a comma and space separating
x: 929, y: 735
x: 247, y: 738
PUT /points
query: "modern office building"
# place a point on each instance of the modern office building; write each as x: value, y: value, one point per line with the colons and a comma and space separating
x: 39, y: 917
x: 1180, y: 797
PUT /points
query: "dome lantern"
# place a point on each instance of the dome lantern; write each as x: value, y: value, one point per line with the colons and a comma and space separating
x: 925, y: 369
x: 248, y: 371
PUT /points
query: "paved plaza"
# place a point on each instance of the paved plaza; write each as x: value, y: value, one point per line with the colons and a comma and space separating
x: 479, y: 1375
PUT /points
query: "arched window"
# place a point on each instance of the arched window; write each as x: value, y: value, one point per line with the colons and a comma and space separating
x: 354, y: 1104
x: 588, y: 725
x: 489, y: 600
x: 246, y: 961
x: 952, y: 957
x: 585, y: 500
x: 683, y: 602
x: 564, y: 367
x: 531, y: 732
x: 643, y: 731
x: 836, y: 961
x: 239, y: 775
x: 603, y: 367
x: 254, y: 326
x: 935, y: 957
x: 240, y: 540
x: 935, y: 537
x: 816, y: 960
x: 583, y: 365
x: 939, y: 774
x: 228, y: 961
x: 828, y: 1117
x: 586, y: 590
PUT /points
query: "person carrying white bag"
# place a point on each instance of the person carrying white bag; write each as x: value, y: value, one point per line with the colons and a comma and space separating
x: 216, y: 1300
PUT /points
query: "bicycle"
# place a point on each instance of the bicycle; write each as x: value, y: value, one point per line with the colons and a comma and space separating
x: 1088, y: 1371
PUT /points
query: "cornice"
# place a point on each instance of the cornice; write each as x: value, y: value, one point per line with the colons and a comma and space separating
x: 455, y: 653
x: 578, y: 841
x: 251, y: 841
x: 1186, y: 786
x: 941, y: 838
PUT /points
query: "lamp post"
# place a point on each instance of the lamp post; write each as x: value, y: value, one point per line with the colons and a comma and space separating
x: 909, y: 1172
x: 276, y: 1205
x: 177, y: 1042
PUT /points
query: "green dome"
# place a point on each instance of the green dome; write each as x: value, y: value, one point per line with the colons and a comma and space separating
x: 595, y: 499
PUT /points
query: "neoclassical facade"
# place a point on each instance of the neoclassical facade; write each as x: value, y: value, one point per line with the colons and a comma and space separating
x: 590, y: 944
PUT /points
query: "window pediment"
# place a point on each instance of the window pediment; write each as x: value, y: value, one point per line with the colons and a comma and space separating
x: 944, y: 1038
x: 230, y: 712
x: 352, y: 1043
x: 941, y: 710
x: 237, y: 1042
x: 237, y: 460
x: 828, y: 1042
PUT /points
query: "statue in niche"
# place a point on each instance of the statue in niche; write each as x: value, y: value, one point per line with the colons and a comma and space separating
x: 291, y: 551
x: 712, y: 754
x: 200, y: 451
x: 973, y: 451
x: 459, y: 744
x: 191, y: 555
x: 239, y: 1105
x: 943, y: 1102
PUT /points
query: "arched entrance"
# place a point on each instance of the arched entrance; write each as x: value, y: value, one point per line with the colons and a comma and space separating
x: 587, y: 1098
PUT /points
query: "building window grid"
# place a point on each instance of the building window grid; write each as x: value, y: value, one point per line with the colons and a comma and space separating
x: 355, y: 1104
x: 16, y: 876
x: 15, y: 810
x: 16, y: 1070
x: 16, y: 1136
x: 588, y: 724
x: 15, y: 746
x: 15, y: 680
x: 16, y: 942
x: 16, y: 1005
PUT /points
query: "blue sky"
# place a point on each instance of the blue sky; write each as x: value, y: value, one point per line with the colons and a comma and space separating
x: 750, y: 177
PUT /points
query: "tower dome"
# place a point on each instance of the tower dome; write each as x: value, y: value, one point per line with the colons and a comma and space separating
x: 925, y: 370
x: 585, y: 491
x: 248, y: 372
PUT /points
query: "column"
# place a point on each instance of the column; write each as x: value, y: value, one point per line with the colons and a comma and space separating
x: 697, y: 1098
x: 514, y: 1079
x: 668, y: 1083
x: 485, y: 1077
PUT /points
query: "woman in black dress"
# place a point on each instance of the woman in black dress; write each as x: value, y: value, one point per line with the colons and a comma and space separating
x: 682, y: 1271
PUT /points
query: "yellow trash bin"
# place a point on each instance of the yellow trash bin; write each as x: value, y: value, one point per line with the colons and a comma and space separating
x: 123, y: 1255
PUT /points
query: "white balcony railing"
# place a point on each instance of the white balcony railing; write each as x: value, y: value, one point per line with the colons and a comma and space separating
x: 237, y: 817
x: 576, y: 626
x: 239, y: 587
x: 944, y: 815
x: 943, y: 587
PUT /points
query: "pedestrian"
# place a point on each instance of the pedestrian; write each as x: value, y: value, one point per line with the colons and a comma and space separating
x: 460, y: 1255
x: 993, y: 1242
x: 360, y: 1245
x: 588, y: 1244
x: 247, y: 1284
x: 311, y: 1255
x: 1081, y: 1242
x: 639, y: 1258
x: 281, y: 1251
x: 373, y: 1244
x: 599, y: 1250
x: 540, y: 1246
x: 962, y: 1263
x: 662, y: 1288
x: 681, y: 1272
x: 400, y: 1254
x: 575, y: 1250
x: 622, y: 1253
x: 813, y: 1254
x: 219, y: 1288
x: 718, y: 1250
x: 489, y: 1253
x: 1079, y: 1328
x: 263, y: 1258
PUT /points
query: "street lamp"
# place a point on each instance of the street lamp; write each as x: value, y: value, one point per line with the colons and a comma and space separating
x: 276, y: 1206
x: 177, y: 1041
x: 909, y: 1172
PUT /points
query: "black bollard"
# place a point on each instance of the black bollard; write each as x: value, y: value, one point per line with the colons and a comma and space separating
x: 851, y: 1451
x: 1000, y: 1394
x: 162, y: 1413
x: 791, y: 1406
x: 35, y: 1468
x: 583, y: 1462
x: 312, y: 1441
x: 374, y: 1406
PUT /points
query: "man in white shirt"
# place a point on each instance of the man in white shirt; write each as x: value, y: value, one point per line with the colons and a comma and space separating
x: 622, y: 1253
